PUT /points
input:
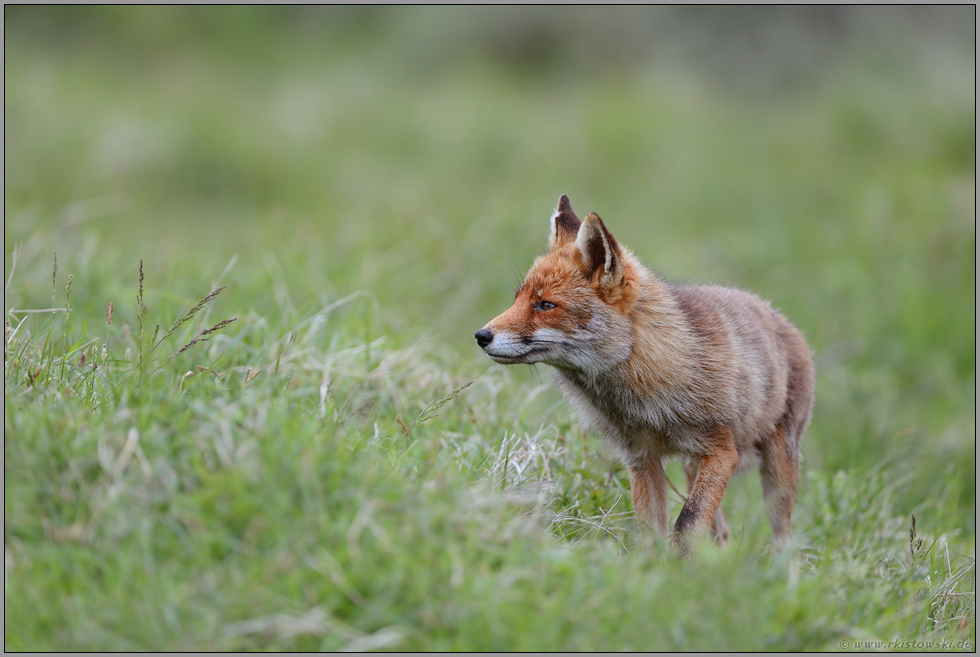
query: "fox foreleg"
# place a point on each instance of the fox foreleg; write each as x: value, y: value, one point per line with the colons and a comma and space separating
x: 703, y: 502
x: 719, y: 527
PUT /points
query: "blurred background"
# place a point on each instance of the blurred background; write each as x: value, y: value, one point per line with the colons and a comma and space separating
x: 823, y: 157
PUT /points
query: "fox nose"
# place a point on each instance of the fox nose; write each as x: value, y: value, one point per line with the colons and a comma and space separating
x: 484, y: 337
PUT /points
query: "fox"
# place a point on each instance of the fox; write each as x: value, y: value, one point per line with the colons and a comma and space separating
x: 712, y: 375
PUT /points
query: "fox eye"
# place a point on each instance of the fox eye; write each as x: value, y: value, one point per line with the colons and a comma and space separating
x: 545, y: 305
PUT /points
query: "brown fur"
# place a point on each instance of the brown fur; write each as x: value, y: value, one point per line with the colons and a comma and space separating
x: 713, y: 375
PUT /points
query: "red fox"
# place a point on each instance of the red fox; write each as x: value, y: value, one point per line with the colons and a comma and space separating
x: 711, y: 374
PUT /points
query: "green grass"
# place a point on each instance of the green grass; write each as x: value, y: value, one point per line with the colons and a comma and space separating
x: 340, y: 466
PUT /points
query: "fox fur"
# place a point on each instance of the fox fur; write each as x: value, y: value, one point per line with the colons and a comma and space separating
x: 712, y: 375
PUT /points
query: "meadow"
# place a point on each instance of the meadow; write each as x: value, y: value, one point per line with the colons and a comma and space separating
x: 245, y: 253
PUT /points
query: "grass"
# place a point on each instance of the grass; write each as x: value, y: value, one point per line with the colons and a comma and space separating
x: 337, y: 467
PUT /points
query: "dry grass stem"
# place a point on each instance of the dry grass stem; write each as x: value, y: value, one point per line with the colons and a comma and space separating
x: 13, y: 266
x: 35, y: 311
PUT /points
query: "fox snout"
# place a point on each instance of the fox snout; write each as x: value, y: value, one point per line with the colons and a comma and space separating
x: 484, y: 337
x: 510, y: 347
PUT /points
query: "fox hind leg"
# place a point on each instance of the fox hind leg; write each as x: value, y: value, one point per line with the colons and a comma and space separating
x: 779, y: 470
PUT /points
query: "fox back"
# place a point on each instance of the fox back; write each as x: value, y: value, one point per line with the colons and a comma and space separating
x: 713, y: 375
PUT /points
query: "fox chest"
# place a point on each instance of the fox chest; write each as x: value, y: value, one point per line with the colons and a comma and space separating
x: 640, y: 424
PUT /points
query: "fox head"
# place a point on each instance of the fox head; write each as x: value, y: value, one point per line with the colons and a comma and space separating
x: 572, y: 310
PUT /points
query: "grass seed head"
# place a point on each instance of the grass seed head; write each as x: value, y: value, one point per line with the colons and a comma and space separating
x: 54, y: 278
x: 187, y: 316
x: 203, y: 336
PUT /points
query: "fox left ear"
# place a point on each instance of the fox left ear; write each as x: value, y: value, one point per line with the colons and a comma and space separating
x: 564, y: 223
x: 599, y: 249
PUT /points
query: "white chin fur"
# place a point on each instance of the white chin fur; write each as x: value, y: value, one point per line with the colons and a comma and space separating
x: 510, y: 348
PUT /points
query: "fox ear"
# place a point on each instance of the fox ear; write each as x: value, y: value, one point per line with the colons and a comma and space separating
x: 599, y: 249
x: 564, y: 223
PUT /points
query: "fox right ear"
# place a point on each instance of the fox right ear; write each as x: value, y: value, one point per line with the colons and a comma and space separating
x: 600, y: 250
x: 564, y: 224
